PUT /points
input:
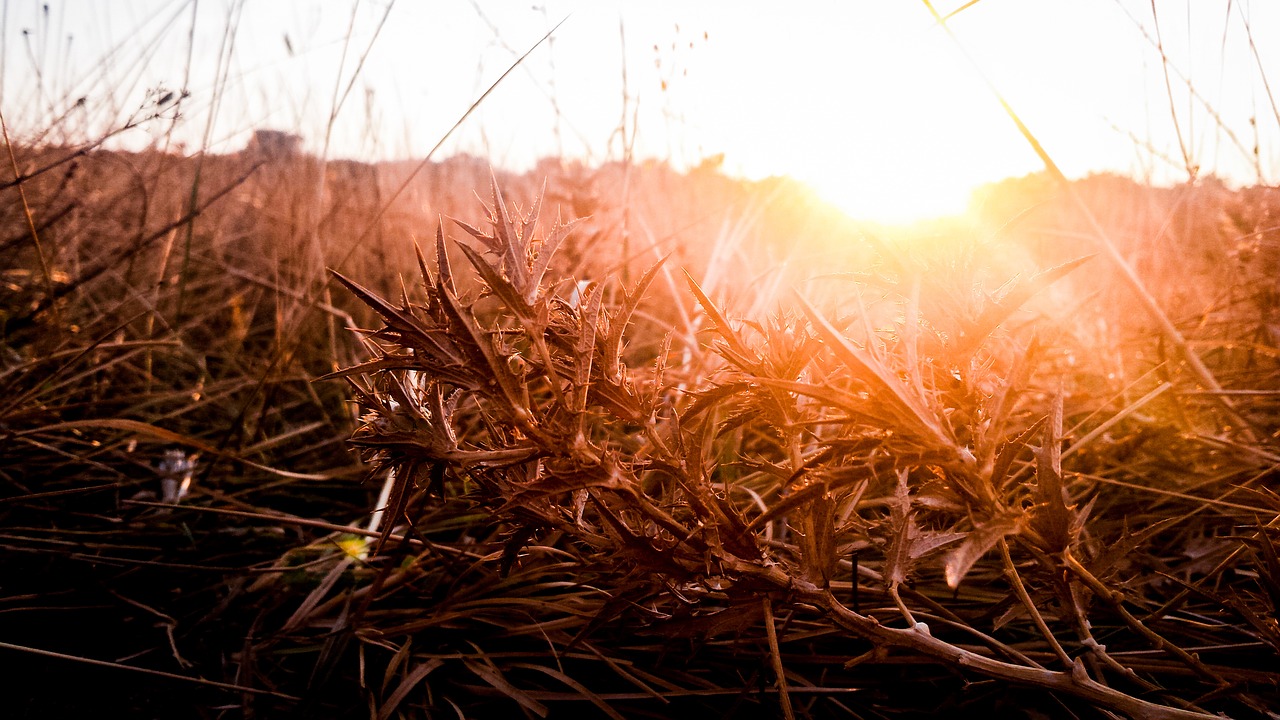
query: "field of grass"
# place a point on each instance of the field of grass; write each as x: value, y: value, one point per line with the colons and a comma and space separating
x: 283, y: 435
x: 642, y: 443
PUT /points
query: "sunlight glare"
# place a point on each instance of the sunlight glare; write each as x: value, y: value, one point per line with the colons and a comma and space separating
x: 898, y: 129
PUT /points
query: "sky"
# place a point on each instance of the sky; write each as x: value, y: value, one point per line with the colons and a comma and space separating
x: 870, y: 102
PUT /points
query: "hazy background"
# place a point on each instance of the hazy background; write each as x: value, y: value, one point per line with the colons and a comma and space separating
x: 869, y: 102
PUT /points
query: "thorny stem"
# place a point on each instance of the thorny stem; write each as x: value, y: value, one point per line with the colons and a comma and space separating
x: 1100, y: 651
x: 1116, y: 600
x: 1011, y: 572
x: 902, y: 607
x: 553, y: 377
x: 1083, y: 633
x: 1075, y: 682
x: 944, y: 615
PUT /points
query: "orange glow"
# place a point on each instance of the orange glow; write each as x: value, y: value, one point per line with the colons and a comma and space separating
x: 870, y: 103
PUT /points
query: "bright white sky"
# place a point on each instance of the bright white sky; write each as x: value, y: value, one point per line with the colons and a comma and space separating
x: 867, y: 101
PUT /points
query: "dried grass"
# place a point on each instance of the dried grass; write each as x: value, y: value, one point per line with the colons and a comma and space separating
x: 684, y: 493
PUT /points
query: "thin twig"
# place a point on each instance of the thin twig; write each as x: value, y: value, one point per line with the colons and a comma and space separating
x: 780, y: 674
x: 146, y: 671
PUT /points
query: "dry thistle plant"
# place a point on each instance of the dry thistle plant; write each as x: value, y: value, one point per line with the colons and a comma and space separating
x: 904, y: 488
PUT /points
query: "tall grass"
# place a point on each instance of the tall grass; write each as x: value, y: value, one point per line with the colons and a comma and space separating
x: 851, y: 458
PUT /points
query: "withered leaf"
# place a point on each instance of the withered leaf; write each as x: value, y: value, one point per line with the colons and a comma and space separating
x: 897, y: 560
x: 817, y: 539
x: 1052, y: 517
x: 911, y: 409
x: 977, y: 543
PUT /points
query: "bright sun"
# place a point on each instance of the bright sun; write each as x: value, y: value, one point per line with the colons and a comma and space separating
x: 900, y: 202
x: 897, y: 127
